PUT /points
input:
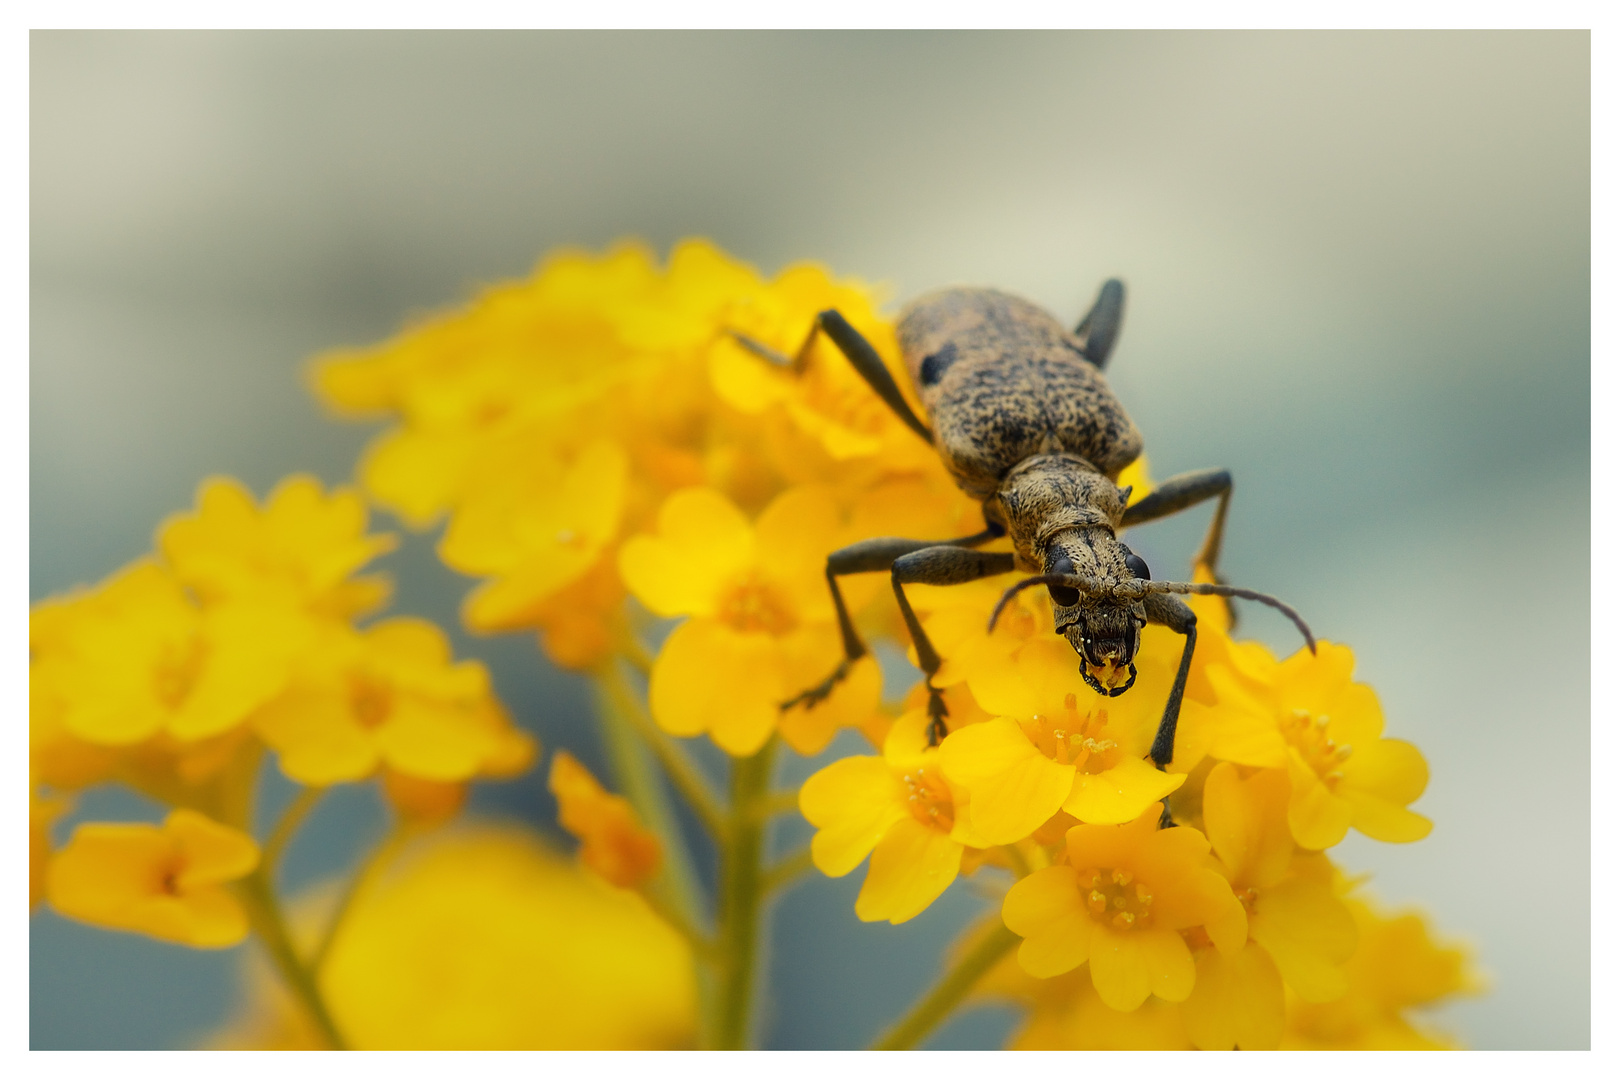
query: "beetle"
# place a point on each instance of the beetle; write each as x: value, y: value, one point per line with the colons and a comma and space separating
x: 1022, y: 416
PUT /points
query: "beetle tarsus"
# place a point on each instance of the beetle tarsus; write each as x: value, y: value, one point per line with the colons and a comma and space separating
x: 821, y: 691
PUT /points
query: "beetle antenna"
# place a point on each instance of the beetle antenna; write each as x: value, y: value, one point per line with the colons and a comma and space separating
x: 1039, y: 579
x: 1139, y: 588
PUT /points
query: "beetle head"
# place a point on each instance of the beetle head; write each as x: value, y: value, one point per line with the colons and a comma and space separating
x: 1105, y: 631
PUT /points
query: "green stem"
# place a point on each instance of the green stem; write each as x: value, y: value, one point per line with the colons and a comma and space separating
x: 780, y: 802
x: 741, y: 893
x: 623, y: 721
x: 933, y: 1007
x: 677, y: 766
x: 264, y: 913
x: 368, y: 870
x: 276, y: 844
x: 787, y: 870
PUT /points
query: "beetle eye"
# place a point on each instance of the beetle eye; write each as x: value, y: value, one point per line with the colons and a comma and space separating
x: 1137, y: 565
x: 1062, y: 595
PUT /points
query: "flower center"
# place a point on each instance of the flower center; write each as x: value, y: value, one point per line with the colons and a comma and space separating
x: 1115, y: 897
x: 369, y: 702
x: 177, y: 671
x: 1074, y: 738
x: 1309, y: 736
x: 752, y: 605
x: 928, y: 797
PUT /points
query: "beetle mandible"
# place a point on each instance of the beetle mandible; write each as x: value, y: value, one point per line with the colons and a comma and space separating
x: 1023, y: 418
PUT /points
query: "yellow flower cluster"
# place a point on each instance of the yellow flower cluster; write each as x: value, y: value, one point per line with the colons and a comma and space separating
x: 597, y: 431
x: 1215, y: 922
x: 238, y: 635
x: 602, y: 452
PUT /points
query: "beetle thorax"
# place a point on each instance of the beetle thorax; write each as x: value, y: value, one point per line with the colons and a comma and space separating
x: 1044, y: 496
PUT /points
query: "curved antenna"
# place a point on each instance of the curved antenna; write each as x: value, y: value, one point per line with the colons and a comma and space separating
x: 1138, y: 588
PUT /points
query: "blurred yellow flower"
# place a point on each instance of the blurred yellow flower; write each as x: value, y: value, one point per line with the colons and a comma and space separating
x: 760, y: 627
x: 301, y: 548
x: 613, y: 842
x: 392, y: 696
x: 1398, y: 968
x: 481, y: 938
x: 1120, y: 902
x: 167, y: 881
x: 900, y: 809
x: 137, y: 656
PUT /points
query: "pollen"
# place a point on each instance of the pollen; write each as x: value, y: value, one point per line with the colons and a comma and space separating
x: 1075, y: 738
x: 176, y: 672
x: 754, y: 606
x: 928, y: 797
x: 1115, y: 897
x: 1309, y: 736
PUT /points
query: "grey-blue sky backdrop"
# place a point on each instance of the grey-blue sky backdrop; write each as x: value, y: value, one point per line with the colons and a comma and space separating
x: 1359, y: 277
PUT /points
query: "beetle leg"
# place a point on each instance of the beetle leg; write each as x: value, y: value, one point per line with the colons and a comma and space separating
x: 1170, y: 611
x: 1100, y: 328
x: 865, y: 557
x: 1177, y: 494
x: 942, y: 565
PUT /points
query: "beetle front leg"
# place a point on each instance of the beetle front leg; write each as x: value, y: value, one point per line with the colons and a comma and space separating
x: 939, y: 566
x: 1170, y: 611
x: 865, y: 557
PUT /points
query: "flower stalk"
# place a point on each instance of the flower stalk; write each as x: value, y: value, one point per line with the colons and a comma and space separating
x: 258, y: 897
x: 934, y: 1007
x: 742, y: 883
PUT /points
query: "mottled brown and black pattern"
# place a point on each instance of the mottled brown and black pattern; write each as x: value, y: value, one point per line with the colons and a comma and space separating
x: 1003, y: 381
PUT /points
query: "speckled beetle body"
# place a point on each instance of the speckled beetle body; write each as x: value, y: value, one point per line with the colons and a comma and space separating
x: 1021, y: 414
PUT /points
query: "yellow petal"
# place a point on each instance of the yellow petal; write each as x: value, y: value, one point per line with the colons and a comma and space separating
x: 1237, y: 1003
x: 1317, y: 817
x: 212, y: 853
x: 1247, y: 823
x: 1309, y: 933
x: 1046, y: 911
x: 910, y: 867
x: 432, y: 740
x: 1115, y: 796
x: 1014, y: 788
x: 852, y: 803
x: 1169, y: 963
x: 1119, y: 969
x: 703, y: 540
x: 316, y: 738
x: 1382, y: 820
x: 1392, y: 770
x: 710, y: 678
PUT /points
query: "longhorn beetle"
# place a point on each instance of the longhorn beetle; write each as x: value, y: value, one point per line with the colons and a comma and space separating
x: 1024, y: 420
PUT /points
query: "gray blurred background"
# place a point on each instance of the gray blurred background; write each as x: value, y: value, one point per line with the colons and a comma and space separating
x: 1359, y: 277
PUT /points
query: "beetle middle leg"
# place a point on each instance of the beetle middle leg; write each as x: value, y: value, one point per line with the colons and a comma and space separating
x: 930, y: 562
x: 1170, y: 611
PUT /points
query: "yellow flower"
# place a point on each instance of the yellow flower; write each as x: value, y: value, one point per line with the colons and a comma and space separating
x: 1398, y: 968
x: 1120, y: 903
x: 1344, y: 774
x: 391, y: 696
x: 760, y: 627
x: 1299, y: 930
x: 480, y: 938
x: 612, y: 840
x: 301, y: 548
x: 534, y: 525
x: 167, y: 881
x: 138, y: 657
x: 825, y: 398
x: 1021, y: 771
x: 900, y: 809
x: 1066, y: 1013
